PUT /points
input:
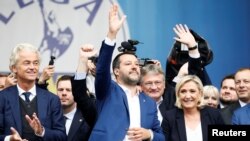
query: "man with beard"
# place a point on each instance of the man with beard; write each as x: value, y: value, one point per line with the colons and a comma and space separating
x: 228, y: 94
x: 124, y: 113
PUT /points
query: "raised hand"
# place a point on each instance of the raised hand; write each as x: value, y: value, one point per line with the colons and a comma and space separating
x: 184, y: 36
x: 115, y: 22
x: 46, y: 74
x: 86, y: 51
x: 10, y: 80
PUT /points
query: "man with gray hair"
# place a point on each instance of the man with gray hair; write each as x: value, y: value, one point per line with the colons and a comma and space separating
x: 28, y: 112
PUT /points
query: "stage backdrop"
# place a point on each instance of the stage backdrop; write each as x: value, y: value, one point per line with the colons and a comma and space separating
x: 60, y: 27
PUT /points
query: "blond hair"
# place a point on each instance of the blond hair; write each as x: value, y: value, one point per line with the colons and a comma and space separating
x: 184, y: 80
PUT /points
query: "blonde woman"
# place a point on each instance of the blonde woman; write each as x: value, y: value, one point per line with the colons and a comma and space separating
x: 211, y: 96
x: 190, y: 120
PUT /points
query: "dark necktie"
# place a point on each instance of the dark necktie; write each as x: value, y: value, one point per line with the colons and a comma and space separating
x: 27, y: 95
x: 65, y: 119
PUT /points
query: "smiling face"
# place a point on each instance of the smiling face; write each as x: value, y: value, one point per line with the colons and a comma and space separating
x: 153, y: 85
x: 211, y: 96
x: 189, y: 95
x: 128, y: 70
x: 27, y: 66
x: 242, y: 85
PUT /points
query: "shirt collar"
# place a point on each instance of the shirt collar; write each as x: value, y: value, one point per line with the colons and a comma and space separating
x: 32, y: 90
x: 71, y: 114
x: 159, y: 101
x: 126, y: 90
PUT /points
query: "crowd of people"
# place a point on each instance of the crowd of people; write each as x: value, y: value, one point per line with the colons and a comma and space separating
x: 138, y: 103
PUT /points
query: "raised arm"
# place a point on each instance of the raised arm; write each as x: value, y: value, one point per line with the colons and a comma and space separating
x: 114, y: 22
x: 103, y: 74
x: 79, y: 88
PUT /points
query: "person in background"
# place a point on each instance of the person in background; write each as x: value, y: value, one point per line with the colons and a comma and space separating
x: 241, y: 116
x: 189, y: 50
x: 124, y: 113
x: 27, y: 111
x: 165, y: 94
x: 242, y: 84
x: 2, y: 81
x: 228, y: 93
x: 211, y: 96
x: 152, y: 83
x: 190, y: 120
x: 90, y: 79
x: 79, y: 116
x: 7, y: 80
x: 242, y: 87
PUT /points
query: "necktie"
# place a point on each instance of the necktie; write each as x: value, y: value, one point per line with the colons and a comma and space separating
x: 65, y: 119
x: 66, y: 125
x: 27, y: 95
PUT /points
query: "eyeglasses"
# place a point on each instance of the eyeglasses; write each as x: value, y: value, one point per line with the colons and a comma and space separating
x: 156, y: 83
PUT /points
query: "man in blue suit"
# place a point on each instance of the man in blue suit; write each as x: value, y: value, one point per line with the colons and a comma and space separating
x: 241, y: 116
x: 124, y: 113
x: 27, y: 111
x: 242, y: 85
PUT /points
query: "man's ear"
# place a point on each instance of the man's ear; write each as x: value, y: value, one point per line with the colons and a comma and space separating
x: 116, y: 71
x: 13, y: 69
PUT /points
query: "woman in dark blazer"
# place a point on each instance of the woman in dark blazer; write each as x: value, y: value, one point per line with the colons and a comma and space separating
x: 190, y: 119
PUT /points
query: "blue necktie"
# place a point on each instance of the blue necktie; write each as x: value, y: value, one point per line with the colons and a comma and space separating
x: 27, y: 95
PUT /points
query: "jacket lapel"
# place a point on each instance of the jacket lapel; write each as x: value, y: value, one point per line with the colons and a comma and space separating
x: 75, y: 125
x: 14, y: 103
x: 204, y: 121
x: 181, y: 125
x: 143, y: 109
x: 248, y: 111
x: 42, y: 102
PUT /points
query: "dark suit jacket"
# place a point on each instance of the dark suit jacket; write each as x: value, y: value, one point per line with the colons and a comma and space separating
x: 241, y: 116
x: 86, y: 114
x: 168, y: 100
x: 173, y: 123
x: 227, y: 112
x: 79, y: 129
x: 49, y: 113
x: 112, y: 105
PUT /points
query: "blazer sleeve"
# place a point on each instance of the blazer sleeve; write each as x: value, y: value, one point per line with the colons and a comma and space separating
x: 85, y: 103
x: 57, y: 130
x: 103, y: 75
x: 196, y: 67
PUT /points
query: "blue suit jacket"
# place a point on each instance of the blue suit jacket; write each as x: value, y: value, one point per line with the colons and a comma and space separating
x: 241, y: 116
x: 173, y: 123
x: 49, y: 112
x: 112, y: 105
